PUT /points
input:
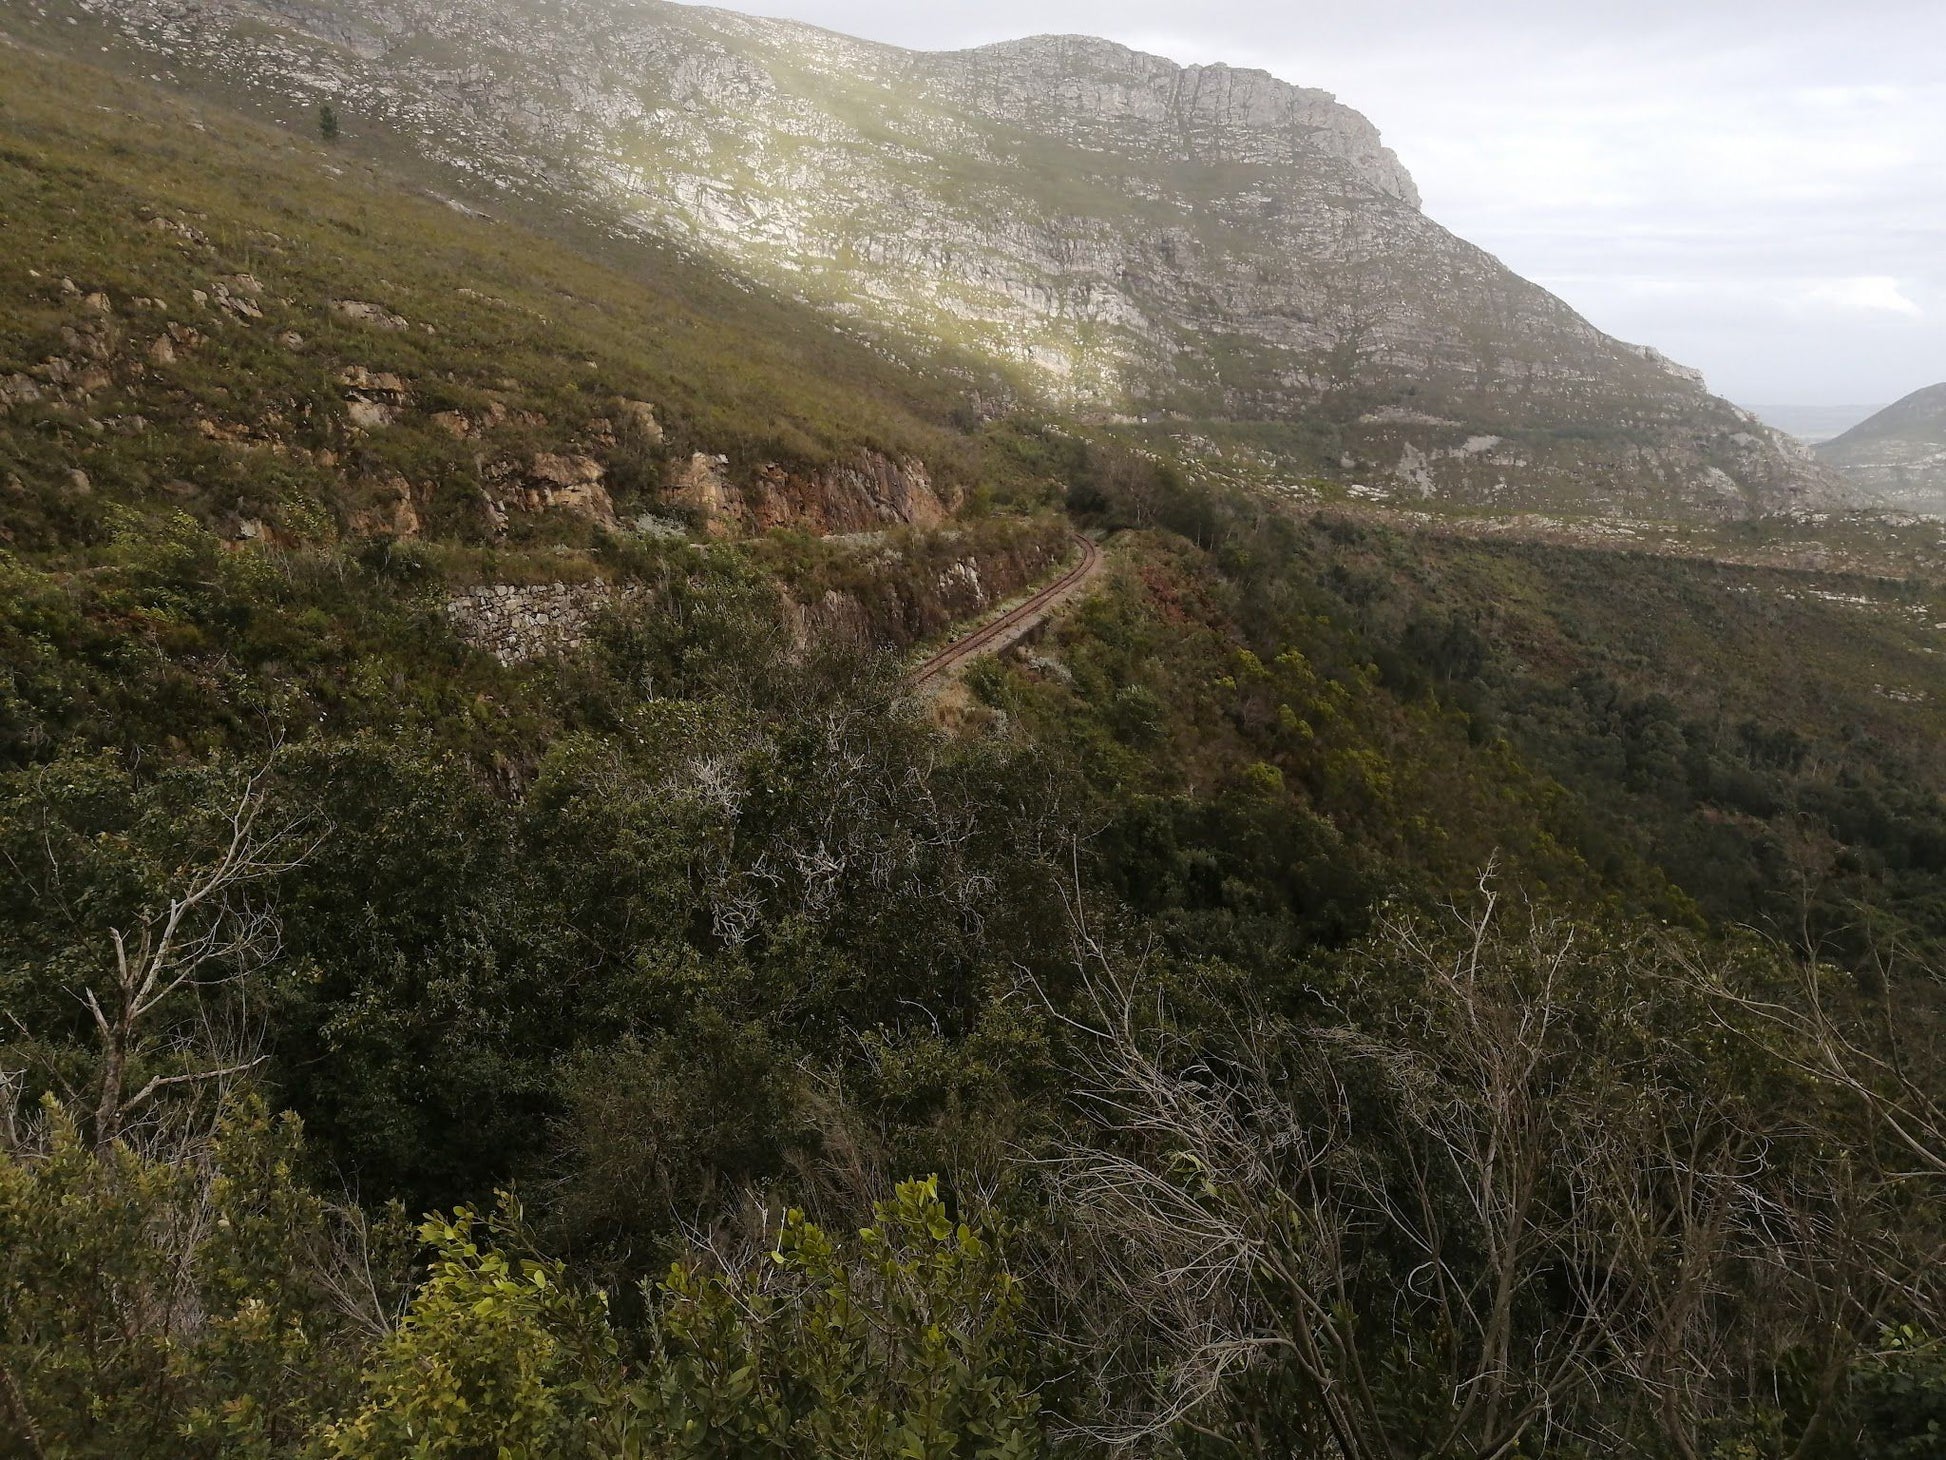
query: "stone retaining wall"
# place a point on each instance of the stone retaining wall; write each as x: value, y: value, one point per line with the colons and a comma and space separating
x: 513, y: 622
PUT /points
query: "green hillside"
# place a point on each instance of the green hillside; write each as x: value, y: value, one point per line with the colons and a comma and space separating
x: 1347, y: 988
x: 187, y: 296
x: 1199, y: 248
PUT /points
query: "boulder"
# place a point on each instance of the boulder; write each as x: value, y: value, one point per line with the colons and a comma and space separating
x: 374, y: 384
x: 239, y: 305
x: 570, y: 483
x: 638, y: 417
x: 361, y: 311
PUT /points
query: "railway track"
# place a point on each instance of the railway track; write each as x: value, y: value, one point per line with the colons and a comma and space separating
x: 1020, y: 617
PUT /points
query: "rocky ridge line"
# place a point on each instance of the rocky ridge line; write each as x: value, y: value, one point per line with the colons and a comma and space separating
x: 1143, y: 241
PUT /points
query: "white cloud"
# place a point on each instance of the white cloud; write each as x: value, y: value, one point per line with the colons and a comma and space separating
x: 1865, y: 292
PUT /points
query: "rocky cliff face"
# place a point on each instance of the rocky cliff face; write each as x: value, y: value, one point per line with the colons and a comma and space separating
x: 1899, y: 455
x: 1100, y: 95
x: 865, y: 495
x: 1180, y: 247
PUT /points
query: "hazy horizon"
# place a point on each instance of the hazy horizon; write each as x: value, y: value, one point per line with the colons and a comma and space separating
x: 1809, y: 421
x: 1757, y: 191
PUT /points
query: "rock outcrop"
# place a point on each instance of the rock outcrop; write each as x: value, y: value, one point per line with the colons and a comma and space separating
x: 899, y: 593
x: 1898, y: 455
x: 373, y: 398
x: 548, y: 481
x: 389, y: 511
x: 864, y: 495
x: 571, y: 483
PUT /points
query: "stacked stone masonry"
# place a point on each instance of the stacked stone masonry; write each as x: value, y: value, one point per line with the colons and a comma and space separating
x: 517, y: 622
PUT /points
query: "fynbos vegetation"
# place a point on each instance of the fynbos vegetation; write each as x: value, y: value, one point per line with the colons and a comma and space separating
x: 496, y: 960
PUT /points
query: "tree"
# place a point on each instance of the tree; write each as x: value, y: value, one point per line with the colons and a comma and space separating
x: 1799, y: 1026
x: 496, y: 1356
x: 193, y: 1300
x: 210, y: 932
x: 900, y: 1344
x: 148, y: 900
x: 328, y: 122
x: 1505, y: 1200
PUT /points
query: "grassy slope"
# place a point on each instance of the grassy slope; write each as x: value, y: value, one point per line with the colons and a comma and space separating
x: 128, y: 617
x: 88, y: 163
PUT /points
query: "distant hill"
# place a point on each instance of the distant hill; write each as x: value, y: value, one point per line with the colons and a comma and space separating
x: 1900, y: 453
x: 1227, y: 264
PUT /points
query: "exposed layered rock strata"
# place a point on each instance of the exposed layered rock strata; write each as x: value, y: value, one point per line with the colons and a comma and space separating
x: 1176, y: 246
x: 859, y: 496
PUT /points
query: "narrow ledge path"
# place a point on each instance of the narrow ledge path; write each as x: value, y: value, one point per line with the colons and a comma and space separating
x: 933, y: 673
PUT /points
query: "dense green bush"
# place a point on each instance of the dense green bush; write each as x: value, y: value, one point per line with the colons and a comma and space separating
x: 194, y: 1298
x: 1900, y: 1395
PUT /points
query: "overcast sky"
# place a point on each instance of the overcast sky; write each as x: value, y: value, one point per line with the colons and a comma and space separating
x: 1757, y: 187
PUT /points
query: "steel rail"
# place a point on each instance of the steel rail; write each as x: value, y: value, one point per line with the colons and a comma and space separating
x: 969, y: 645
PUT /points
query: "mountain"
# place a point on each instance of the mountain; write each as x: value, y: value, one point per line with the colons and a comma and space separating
x: 211, y: 331
x: 1898, y: 454
x: 1223, y: 264
x: 458, y: 755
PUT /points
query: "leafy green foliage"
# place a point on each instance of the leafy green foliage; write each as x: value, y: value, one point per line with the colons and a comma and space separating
x: 901, y: 1345
x: 171, y: 1305
x: 897, y: 1345
x: 494, y: 1357
x: 1900, y: 1397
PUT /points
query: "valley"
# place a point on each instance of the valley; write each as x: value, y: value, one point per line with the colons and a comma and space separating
x: 720, y: 742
